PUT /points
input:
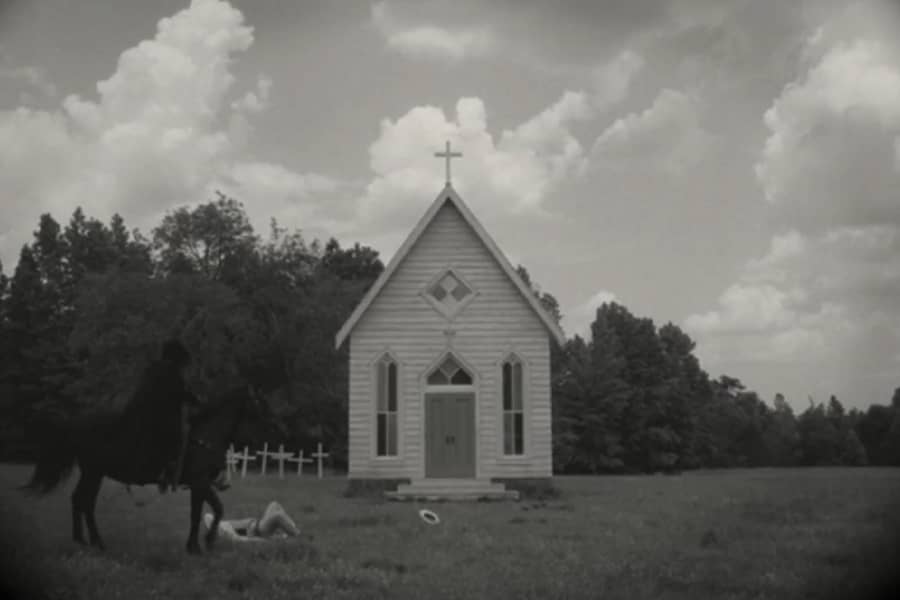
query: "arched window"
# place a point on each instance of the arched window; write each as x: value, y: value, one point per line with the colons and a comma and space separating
x: 513, y: 412
x: 386, y: 407
x: 450, y: 372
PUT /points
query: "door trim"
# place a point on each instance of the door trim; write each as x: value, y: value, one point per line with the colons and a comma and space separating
x: 425, y: 390
x: 474, y: 428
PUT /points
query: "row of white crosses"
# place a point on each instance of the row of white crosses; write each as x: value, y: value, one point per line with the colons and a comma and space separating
x: 232, y: 459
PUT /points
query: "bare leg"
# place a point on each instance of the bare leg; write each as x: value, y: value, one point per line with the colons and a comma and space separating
x: 275, y: 518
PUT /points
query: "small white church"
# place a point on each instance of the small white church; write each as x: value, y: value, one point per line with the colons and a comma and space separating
x: 449, y: 365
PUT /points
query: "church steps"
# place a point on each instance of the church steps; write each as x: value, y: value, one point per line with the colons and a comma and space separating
x: 452, y: 489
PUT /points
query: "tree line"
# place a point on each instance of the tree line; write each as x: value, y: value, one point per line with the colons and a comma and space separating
x: 634, y: 398
x: 88, y: 304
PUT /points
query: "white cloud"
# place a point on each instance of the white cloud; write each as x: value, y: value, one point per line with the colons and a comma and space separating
x: 747, y: 309
x: 512, y: 172
x: 29, y: 77
x: 827, y: 287
x: 255, y: 101
x: 667, y: 136
x: 578, y: 320
x: 821, y: 297
x: 286, y: 195
x: 831, y: 157
x: 612, y: 81
x: 163, y: 131
x: 431, y: 41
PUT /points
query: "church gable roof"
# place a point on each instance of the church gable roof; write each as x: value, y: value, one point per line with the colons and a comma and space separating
x: 448, y: 194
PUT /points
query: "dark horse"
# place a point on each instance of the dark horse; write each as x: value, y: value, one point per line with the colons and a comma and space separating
x: 100, y: 446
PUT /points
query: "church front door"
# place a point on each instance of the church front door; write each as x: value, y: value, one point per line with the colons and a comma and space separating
x: 450, y: 435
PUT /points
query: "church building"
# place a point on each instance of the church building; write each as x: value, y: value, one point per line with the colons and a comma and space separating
x: 449, y: 365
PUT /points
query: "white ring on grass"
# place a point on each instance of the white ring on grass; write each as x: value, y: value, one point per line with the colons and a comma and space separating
x: 429, y: 517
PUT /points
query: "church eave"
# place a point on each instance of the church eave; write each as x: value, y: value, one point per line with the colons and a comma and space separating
x: 446, y: 194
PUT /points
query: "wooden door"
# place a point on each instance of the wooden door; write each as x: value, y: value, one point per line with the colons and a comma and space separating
x: 450, y: 435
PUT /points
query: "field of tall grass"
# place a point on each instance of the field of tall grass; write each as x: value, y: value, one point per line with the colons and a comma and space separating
x: 815, y: 533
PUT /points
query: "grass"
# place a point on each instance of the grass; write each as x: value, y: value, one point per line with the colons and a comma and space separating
x: 816, y: 533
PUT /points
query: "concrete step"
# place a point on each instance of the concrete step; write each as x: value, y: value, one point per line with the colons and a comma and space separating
x: 484, y: 484
x: 436, y: 496
x: 452, y: 489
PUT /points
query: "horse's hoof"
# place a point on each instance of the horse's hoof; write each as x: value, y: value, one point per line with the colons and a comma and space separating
x: 210, y: 541
x: 194, y: 549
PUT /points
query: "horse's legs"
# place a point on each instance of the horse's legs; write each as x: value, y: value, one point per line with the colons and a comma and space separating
x: 212, y: 498
x: 91, y: 491
x: 78, y: 510
x: 193, y: 547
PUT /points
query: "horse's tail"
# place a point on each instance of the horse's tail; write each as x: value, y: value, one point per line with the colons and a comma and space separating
x: 56, y: 459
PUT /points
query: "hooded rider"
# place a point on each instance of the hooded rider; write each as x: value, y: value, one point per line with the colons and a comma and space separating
x: 165, y: 403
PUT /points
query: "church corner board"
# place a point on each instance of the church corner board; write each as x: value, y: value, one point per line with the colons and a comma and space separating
x: 449, y: 362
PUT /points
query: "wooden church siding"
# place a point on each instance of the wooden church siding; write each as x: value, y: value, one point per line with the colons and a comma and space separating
x: 496, y: 321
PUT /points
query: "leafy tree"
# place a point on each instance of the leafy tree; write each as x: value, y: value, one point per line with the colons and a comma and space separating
x: 872, y: 430
x: 4, y: 282
x: 92, y: 247
x: 548, y: 301
x: 603, y: 444
x: 570, y: 383
x: 124, y: 318
x: 781, y: 437
x: 359, y: 263
x: 685, y: 388
x: 852, y: 452
x: 211, y: 240
x: 890, y: 445
x: 41, y: 314
x: 835, y: 410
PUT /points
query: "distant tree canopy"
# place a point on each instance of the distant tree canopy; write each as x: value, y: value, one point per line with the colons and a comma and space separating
x: 88, y: 304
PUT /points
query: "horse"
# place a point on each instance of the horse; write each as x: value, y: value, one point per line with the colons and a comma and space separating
x: 100, y: 446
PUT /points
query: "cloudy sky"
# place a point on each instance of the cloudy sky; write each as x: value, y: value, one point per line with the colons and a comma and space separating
x: 732, y: 166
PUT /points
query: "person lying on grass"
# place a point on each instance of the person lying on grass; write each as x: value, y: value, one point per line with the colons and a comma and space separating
x: 274, y: 522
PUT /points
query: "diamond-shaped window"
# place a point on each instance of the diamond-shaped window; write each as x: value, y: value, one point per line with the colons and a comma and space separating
x: 449, y: 293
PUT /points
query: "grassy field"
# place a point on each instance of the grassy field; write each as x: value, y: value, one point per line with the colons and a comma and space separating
x: 817, y: 533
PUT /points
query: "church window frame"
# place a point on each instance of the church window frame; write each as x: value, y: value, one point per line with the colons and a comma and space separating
x: 513, y: 406
x: 450, y: 372
x: 387, y: 434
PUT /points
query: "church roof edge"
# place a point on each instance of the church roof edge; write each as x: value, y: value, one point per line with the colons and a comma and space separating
x: 447, y: 194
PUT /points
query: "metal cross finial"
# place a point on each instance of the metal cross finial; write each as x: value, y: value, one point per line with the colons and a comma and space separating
x: 448, y: 155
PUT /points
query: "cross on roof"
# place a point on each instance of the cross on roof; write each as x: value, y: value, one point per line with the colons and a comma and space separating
x: 448, y: 155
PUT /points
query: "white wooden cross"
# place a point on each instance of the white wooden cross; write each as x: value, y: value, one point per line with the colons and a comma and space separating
x: 244, y: 458
x: 300, y: 460
x: 448, y: 155
x: 320, y: 455
x: 231, y: 460
x: 265, y: 454
x: 281, y: 456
